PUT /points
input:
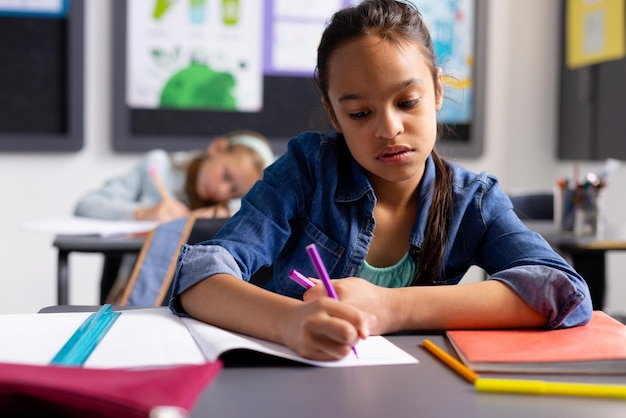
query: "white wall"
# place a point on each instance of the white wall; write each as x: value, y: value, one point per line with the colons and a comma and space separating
x: 520, y: 144
x: 36, y: 186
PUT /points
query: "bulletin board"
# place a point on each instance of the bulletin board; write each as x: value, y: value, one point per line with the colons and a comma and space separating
x: 278, y: 98
x: 41, y: 75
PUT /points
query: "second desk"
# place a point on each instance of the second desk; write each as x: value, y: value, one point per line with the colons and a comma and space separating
x: 113, y: 248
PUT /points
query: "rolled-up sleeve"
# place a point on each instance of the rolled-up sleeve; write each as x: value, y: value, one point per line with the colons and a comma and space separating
x: 557, y: 297
x: 526, y: 262
x: 196, y: 263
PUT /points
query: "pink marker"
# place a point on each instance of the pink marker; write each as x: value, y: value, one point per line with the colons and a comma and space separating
x: 299, y: 278
x: 314, y: 255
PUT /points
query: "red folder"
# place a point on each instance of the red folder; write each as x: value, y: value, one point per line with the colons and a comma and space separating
x: 60, y: 391
x: 598, y: 347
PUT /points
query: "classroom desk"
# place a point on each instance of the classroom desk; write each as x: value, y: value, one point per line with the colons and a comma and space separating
x: 113, y: 248
x: 428, y: 389
x: 586, y: 254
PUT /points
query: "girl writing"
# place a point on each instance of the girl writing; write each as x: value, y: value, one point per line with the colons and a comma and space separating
x: 396, y: 225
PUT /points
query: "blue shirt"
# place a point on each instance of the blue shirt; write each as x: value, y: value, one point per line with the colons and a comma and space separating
x: 317, y: 193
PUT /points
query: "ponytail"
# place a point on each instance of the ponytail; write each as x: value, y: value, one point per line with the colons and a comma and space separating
x: 430, y: 263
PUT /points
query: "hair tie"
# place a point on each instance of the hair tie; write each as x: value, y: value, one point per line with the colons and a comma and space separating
x: 258, y: 145
x: 410, y: 3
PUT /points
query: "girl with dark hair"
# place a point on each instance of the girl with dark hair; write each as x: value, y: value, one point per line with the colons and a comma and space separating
x: 394, y: 222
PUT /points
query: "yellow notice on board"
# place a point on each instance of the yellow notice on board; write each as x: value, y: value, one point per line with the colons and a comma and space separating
x: 595, y: 31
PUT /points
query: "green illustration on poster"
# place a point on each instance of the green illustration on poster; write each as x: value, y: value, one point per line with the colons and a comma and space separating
x: 211, y: 54
x: 195, y: 54
x: 199, y: 87
x: 161, y: 7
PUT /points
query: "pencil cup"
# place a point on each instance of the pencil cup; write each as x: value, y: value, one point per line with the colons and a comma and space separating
x: 580, y: 210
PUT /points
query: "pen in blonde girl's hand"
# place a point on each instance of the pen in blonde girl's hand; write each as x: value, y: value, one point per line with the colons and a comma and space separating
x: 167, y: 209
x: 159, y: 183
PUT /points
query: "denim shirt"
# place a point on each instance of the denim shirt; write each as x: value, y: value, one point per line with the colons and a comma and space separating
x: 317, y: 193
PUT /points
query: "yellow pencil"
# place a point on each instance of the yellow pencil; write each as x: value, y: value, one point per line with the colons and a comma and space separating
x: 540, y: 387
x: 464, y: 371
x: 159, y: 184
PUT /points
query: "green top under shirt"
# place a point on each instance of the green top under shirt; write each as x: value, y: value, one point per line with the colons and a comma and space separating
x: 398, y: 275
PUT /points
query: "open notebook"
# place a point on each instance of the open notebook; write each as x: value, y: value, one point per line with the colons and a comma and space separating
x: 154, y: 337
x: 231, y: 347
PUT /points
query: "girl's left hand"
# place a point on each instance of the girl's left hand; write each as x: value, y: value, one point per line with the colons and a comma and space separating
x: 359, y: 293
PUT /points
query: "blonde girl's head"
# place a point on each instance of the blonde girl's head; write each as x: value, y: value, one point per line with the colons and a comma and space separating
x: 228, y: 169
x: 252, y: 143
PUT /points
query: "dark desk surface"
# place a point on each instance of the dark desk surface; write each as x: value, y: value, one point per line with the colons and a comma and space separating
x: 428, y: 389
x: 96, y: 244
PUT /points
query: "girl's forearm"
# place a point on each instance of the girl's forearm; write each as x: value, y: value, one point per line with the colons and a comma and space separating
x: 487, y: 304
x: 231, y: 303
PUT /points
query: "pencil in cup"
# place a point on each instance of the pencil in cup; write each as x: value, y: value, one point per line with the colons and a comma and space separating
x: 320, y: 268
x: 159, y: 183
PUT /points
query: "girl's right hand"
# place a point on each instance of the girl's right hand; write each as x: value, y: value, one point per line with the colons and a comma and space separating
x: 166, y: 210
x: 325, y: 329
